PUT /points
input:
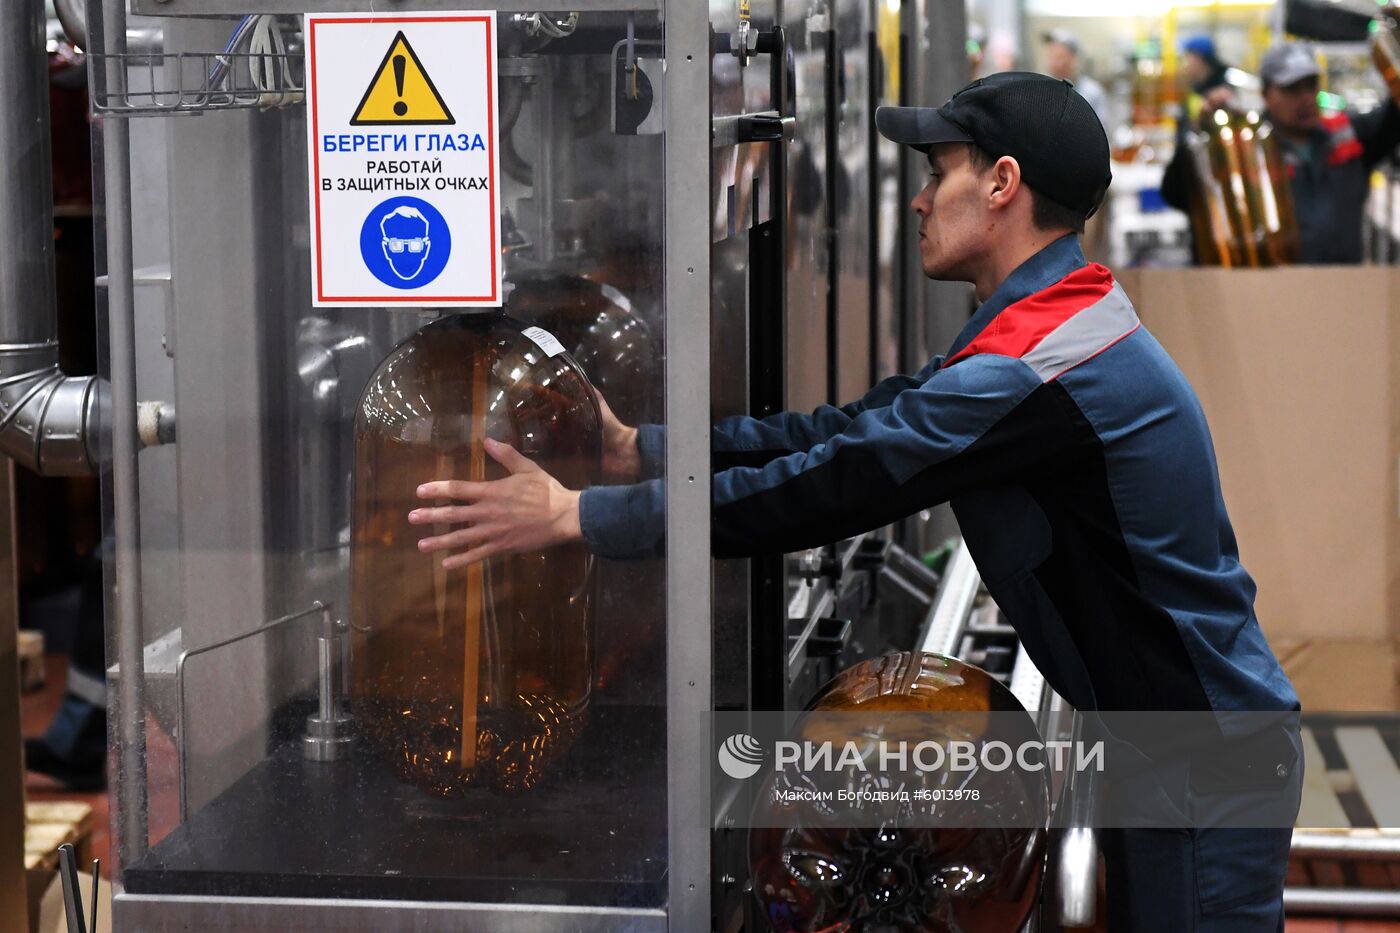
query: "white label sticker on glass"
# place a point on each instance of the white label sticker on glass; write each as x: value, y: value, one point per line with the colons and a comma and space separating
x: 544, y: 340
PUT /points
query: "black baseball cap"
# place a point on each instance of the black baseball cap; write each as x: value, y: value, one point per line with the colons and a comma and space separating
x: 1040, y: 121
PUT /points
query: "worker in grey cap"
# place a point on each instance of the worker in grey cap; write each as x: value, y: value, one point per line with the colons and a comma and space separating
x: 1062, y: 61
x: 1329, y: 156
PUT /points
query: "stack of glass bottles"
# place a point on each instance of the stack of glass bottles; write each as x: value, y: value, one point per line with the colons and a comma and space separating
x: 479, y: 675
x: 1242, y: 206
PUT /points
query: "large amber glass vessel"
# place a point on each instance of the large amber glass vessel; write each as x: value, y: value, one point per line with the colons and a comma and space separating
x: 813, y: 875
x: 602, y: 331
x: 478, y: 675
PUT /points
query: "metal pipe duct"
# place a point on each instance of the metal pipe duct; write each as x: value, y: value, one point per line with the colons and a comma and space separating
x: 48, y: 422
x: 72, y: 15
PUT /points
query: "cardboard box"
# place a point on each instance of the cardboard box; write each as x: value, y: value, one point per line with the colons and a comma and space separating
x: 1336, y: 676
x: 1298, y: 371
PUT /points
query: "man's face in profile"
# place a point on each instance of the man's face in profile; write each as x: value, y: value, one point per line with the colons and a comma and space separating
x: 951, y: 220
x: 405, y: 241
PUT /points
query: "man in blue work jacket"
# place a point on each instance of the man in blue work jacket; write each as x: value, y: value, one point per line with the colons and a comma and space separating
x: 1074, y: 453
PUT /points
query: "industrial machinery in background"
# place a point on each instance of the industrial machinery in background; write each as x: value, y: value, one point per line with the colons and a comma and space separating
x: 697, y: 208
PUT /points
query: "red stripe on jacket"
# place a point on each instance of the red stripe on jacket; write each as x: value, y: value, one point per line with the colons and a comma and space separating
x: 1335, y: 122
x: 1344, y: 150
x: 1351, y: 149
x: 1021, y: 326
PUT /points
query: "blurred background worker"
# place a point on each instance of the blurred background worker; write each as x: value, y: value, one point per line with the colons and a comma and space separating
x: 1209, y: 81
x: 1328, y: 155
x: 1062, y: 61
x: 1206, y: 74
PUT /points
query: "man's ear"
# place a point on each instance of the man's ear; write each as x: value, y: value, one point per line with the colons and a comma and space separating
x: 1006, y: 182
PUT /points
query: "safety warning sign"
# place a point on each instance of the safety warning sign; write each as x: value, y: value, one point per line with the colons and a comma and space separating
x: 404, y: 159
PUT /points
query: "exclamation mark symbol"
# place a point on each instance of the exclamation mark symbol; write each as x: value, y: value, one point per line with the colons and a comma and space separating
x: 400, y: 108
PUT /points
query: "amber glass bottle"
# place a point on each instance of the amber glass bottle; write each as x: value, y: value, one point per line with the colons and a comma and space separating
x: 1217, y: 242
x: 1242, y: 203
x: 1271, y: 193
x: 1229, y: 169
x: 613, y: 343
x: 896, y: 877
x: 477, y: 675
x: 1385, y: 49
x: 602, y: 331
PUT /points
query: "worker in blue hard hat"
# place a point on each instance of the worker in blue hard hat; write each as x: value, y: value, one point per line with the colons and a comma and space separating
x: 1209, y: 81
x: 1207, y: 75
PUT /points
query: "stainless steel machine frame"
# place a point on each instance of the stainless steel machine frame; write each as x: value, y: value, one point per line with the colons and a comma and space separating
x: 141, y: 656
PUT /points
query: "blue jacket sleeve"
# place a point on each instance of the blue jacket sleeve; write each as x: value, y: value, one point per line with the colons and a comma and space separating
x: 743, y: 441
x: 624, y: 522
x: 984, y: 423
x: 651, y: 449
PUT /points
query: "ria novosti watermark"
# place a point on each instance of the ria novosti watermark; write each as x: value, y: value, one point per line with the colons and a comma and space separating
x: 741, y: 756
x: 979, y: 769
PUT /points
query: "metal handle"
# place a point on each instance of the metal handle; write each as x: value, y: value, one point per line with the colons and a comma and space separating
x: 1077, y: 884
x: 761, y: 128
x: 73, y: 892
x: 317, y: 607
x: 329, y: 731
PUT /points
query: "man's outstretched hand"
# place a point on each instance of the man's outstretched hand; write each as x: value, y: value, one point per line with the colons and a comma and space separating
x: 526, y: 511
x: 529, y: 510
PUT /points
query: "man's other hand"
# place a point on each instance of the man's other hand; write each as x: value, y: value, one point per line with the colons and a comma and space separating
x: 1217, y: 98
x: 526, y: 511
x: 621, y: 461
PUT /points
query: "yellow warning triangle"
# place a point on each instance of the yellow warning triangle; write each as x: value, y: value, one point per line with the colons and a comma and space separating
x: 401, y: 91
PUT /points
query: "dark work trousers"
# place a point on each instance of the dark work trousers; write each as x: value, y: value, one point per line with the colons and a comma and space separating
x: 1211, y: 877
x: 1195, y: 880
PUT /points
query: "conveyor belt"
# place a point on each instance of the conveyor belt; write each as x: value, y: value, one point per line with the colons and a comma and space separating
x: 948, y: 617
x: 1027, y: 683
x: 1351, y: 781
x: 1346, y: 855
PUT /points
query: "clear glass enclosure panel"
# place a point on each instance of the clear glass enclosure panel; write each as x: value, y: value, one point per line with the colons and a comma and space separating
x: 324, y: 711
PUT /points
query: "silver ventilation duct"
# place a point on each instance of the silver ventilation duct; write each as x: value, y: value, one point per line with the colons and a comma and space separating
x: 72, y: 14
x: 48, y: 421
